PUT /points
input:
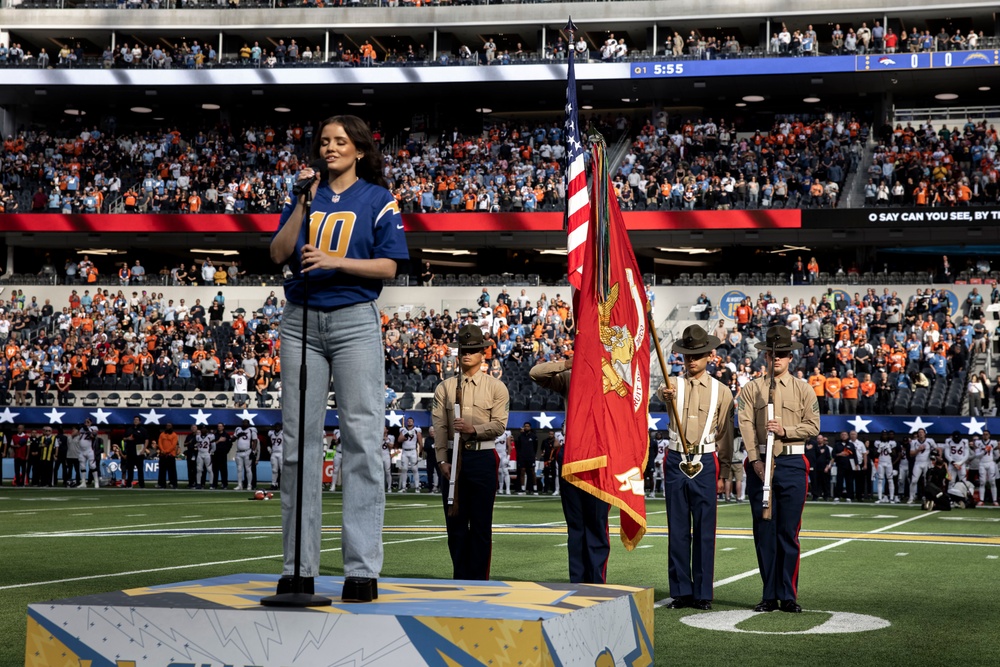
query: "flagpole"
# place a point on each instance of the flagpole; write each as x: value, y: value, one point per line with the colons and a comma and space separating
x: 570, y: 29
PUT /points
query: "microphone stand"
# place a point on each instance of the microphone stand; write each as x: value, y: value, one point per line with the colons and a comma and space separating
x: 298, y: 597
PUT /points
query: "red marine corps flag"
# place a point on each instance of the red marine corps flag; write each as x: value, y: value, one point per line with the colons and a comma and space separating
x: 607, y: 441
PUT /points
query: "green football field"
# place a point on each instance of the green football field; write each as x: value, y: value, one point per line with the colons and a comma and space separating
x: 881, y: 584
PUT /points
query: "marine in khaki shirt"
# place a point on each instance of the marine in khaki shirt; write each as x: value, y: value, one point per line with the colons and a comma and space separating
x: 796, y: 412
x: 484, y: 408
x: 705, y: 412
x: 484, y: 411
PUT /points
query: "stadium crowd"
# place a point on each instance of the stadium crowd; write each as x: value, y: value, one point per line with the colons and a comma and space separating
x: 930, y: 166
x: 703, y: 164
x: 106, y: 340
x: 284, y: 51
x: 862, y: 353
x: 867, y: 354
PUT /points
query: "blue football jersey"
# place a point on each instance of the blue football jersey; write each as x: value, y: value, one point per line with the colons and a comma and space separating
x: 364, y: 223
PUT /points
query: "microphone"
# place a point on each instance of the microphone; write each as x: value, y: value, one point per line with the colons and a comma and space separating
x: 302, y: 186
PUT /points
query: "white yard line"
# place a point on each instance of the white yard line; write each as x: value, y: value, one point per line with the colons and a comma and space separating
x: 64, y: 533
x: 826, y: 547
x: 191, y: 566
x: 62, y: 508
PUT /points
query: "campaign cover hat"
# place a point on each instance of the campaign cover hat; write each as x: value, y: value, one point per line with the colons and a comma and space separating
x: 470, y: 337
x: 695, y: 340
x: 780, y: 339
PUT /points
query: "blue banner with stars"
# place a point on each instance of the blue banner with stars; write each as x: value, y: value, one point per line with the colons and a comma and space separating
x: 543, y: 421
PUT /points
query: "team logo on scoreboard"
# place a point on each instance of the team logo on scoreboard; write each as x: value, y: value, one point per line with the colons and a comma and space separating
x: 973, y: 57
x: 886, y: 60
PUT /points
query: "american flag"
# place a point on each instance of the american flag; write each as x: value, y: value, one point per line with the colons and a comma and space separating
x: 577, y: 197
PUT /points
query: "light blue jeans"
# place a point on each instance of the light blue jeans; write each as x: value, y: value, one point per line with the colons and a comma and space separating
x: 346, y: 343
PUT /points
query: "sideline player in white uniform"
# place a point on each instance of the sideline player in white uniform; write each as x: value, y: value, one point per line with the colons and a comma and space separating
x: 886, y: 484
x: 662, y: 444
x: 277, y: 441
x: 988, y: 455
x: 88, y: 438
x: 920, y: 448
x: 560, y: 437
x: 502, y: 443
x: 204, y: 443
x: 246, y: 440
x: 956, y: 453
x: 387, y: 446
x: 411, y: 441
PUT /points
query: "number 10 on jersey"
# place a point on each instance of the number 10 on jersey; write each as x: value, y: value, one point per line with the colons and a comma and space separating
x: 331, y: 232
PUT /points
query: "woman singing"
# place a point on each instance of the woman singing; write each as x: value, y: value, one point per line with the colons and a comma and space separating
x: 353, y: 242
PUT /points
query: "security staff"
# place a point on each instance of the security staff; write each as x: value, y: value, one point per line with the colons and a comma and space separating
x: 587, y: 541
x: 48, y: 445
x: 796, y: 419
x: 431, y: 459
x: 166, y: 448
x: 220, y: 459
x: 136, y: 446
x: 691, y: 485
x: 484, y: 405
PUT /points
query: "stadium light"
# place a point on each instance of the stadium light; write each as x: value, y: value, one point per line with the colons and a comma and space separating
x: 225, y: 253
x: 753, y: 98
x: 692, y: 251
x: 99, y: 251
x: 449, y: 251
x: 789, y: 248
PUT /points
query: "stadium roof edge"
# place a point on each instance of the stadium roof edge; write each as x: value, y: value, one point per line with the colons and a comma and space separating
x: 602, y: 14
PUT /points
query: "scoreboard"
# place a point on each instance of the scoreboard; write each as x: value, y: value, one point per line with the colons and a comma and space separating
x: 932, y: 60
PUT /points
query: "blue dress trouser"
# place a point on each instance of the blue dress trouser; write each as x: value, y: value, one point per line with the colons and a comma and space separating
x: 470, y: 531
x: 587, y: 540
x: 777, y: 540
x: 691, y: 503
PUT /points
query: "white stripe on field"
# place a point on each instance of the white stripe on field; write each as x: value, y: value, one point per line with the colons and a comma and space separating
x: 115, y: 507
x: 64, y: 533
x: 191, y: 566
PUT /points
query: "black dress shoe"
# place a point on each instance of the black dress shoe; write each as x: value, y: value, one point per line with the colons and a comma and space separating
x: 359, y: 589
x: 682, y: 602
x: 766, y: 605
x: 285, y: 585
x: 790, y: 606
x: 703, y: 605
